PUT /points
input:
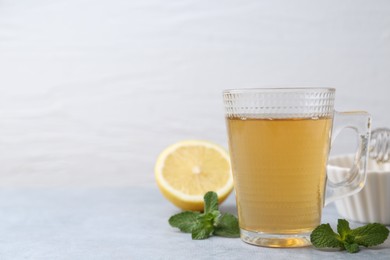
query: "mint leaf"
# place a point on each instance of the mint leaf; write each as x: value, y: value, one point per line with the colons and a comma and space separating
x: 347, y: 243
x: 227, y: 226
x: 343, y: 228
x: 349, y: 239
x: 208, y: 223
x: 204, y: 227
x: 324, y: 236
x: 210, y: 202
x: 200, y: 232
x: 185, y: 221
x: 351, y: 248
x: 370, y: 234
x: 208, y: 218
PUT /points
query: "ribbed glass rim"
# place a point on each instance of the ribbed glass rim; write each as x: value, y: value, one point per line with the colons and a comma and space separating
x: 277, y: 89
x: 279, y: 102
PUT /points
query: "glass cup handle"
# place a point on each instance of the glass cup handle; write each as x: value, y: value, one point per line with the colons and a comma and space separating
x: 349, y: 180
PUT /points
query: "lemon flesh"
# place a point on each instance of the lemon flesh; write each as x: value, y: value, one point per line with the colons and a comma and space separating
x: 185, y: 171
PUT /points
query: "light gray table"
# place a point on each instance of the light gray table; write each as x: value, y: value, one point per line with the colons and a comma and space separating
x: 124, y: 223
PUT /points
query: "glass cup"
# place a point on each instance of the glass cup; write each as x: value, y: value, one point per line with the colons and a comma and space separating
x: 279, y: 142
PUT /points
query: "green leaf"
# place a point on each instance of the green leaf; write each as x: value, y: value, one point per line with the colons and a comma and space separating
x: 370, y: 234
x: 208, y: 218
x: 185, y: 221
x: 324, y: 236
x: 200, y: 232
x: 210, y: 202
x: 216, y: 215
x: 347, y: 242
x: 343, y: 228
x: 204, y: 227
x: 227, y: 226
x: 349, y: 239
x: 351, y: 248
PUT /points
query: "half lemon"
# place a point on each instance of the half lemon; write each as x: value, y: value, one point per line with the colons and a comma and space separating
x: 186, y: 170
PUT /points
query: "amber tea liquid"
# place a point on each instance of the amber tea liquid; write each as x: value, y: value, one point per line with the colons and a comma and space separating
x: 279, y: 169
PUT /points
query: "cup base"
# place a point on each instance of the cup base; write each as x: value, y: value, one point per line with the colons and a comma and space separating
x: 275, y: 240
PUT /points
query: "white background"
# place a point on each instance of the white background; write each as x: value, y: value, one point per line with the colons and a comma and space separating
x: 92, y: 91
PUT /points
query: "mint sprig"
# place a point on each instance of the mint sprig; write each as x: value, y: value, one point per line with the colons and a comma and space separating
x: 210, y: 222
x: 349, y: 239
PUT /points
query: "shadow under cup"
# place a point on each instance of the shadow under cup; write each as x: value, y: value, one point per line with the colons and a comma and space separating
x: 279, y: 142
